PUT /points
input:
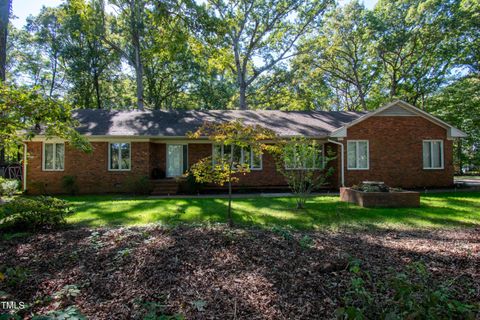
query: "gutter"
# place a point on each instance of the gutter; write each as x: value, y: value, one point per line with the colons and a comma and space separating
x: 342, y: 176
x: 24, y: 175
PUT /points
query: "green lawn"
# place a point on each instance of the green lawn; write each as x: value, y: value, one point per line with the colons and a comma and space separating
x: 467, y: 178
x: 436, y: 211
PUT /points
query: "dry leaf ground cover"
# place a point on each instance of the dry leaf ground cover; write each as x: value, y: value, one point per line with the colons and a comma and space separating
x: 220, y: 273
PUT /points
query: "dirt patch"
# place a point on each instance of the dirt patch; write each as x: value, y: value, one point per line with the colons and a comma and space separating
x: 218, y: 273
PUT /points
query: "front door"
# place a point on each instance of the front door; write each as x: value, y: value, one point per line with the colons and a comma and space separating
x: 175, y: 160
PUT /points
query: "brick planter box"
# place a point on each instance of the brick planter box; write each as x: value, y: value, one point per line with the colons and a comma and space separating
x: 403, y: 199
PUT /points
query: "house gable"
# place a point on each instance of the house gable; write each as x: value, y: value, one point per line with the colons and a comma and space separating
x: 401, y: 109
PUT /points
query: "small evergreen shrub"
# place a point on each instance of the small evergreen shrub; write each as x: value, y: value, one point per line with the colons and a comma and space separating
x: 70, y: 185
x: 8, y: 187
x: 32, y: 214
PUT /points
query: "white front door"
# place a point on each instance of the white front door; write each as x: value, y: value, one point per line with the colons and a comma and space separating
x: 174, y: 160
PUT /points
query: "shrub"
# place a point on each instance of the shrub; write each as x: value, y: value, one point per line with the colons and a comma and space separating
x: 410, y: 294
x: 69, y: 184
x: 34, y: 213
x: 8, y: 186
x: 189, y: 185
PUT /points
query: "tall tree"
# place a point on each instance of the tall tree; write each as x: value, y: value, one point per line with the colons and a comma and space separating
x: 412, y: 40
x: 343, y: 54
x: 258, y: 34
x: 89, y: 61
x: 46, y: 30
x: 5, y: 6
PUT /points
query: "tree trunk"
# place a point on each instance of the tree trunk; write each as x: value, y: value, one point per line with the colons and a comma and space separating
x: 139, y: 78
x: 243, y: 96
x: 96, y: 83
x: 230, y: 219
x: 4, y: 17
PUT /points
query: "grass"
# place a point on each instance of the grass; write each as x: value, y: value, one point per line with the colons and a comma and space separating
x: 467, y: 177
x: 436, y: 211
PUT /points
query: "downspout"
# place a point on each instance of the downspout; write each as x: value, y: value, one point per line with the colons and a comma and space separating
x: 24, y: 174
x: 342, y: 176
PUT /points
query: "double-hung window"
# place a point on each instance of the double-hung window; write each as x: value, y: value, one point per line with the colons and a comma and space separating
x: 304, y: 156
x: 119, y: 156
x: 244, y: 156
x: 357, y: 155
x: 53, y: 156
x: 432, y: 154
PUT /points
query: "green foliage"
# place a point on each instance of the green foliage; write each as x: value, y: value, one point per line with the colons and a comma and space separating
x: 189, y: 185
x: 34, y: 213
x: 69, y: 291
x: 155, y: 310
x: 306, y: 242
x: 451, y: 105
x: 69, y: 313
x: 15, y: 275
x: 284, y: 233
x: 304, y: 166
x: 410, y: 294
x: 23, y: 112
x: 227, y: 169
x: 70, y: 185
x: 8, y: 187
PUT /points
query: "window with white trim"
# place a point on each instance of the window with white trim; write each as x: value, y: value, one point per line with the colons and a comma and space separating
x: 432, y: 154
x: 119, y: 158
x: 357, y: 155
x: 53, y: 156
x: 240, y: 155
x: 304, y: 156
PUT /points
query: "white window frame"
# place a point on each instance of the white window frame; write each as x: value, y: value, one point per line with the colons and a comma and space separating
x: 120, y: 156
x: 322, y: 164
x: 430, y: 141
x: 54, y: 155
x: 357, y: 156
x: 241, y: 158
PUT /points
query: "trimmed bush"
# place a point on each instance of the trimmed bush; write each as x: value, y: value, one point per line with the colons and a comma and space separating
x: 32, y: 214
x: 8, y: 187
x: 69, y: 184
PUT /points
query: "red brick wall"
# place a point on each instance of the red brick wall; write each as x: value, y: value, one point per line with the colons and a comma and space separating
x: 396, y: 155
x: 158, y: 155
x: 91, y: 170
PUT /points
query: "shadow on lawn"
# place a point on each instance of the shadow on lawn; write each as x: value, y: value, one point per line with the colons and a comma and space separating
x: 321, y: 212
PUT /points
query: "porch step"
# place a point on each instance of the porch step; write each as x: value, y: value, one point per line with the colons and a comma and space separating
x: 164, y: 187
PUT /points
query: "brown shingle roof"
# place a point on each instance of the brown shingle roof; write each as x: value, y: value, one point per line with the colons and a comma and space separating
x: 177, y: 123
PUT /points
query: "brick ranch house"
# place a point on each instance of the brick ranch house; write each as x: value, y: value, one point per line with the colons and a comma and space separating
x: 397, y: 143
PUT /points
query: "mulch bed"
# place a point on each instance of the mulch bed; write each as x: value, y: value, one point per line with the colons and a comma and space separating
x: 220, y: 273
